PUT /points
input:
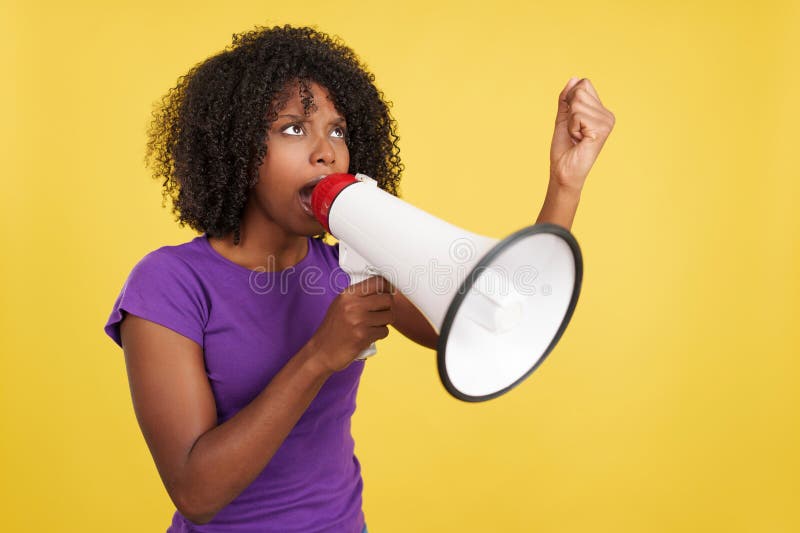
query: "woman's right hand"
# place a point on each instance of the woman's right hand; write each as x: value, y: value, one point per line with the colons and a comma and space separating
x: 356, y: 318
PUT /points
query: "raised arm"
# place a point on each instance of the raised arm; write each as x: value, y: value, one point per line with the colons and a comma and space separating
x: 560, y: 205
x: 581, y: 129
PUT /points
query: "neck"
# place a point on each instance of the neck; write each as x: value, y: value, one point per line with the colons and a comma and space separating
x: 262, y: 246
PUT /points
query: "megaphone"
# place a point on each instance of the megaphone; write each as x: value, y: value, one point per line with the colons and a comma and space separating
x: 499, y: 306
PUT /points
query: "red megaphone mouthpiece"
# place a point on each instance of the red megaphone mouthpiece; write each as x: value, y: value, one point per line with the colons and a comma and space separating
x: 325, y: 192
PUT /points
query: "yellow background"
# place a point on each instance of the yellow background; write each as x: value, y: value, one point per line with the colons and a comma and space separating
x: 670, y: 404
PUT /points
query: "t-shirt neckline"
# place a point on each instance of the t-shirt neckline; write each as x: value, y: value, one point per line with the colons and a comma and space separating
x: 221, y: 258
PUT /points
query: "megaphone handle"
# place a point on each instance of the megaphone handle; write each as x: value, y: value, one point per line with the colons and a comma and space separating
x: 369, y: 352
x: 355, y: 266
x: 371, y: 349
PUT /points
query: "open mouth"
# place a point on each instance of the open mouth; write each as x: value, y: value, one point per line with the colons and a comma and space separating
x: 305, y: 195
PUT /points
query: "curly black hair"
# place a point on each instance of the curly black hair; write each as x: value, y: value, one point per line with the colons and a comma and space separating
x: 207, y: 137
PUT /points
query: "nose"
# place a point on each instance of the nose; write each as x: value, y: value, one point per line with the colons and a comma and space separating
x: 323, y: 152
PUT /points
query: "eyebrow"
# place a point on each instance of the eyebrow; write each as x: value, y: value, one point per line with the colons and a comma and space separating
x: 299, y: 118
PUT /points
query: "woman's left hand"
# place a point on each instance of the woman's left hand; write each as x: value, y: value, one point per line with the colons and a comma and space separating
x: 582, y: 127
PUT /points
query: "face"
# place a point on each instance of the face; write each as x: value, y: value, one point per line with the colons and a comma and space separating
x: 301, y: 148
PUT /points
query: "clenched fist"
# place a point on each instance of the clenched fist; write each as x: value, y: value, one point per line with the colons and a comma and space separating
x: 582, y: 127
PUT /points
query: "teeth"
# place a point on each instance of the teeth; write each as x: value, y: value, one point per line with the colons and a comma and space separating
x: 305, y: 200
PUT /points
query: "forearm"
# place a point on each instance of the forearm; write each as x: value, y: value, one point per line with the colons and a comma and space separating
x: 226, y: 459
x: 560, y: 205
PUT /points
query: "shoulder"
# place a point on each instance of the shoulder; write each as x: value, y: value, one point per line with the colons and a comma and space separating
x: 181, y: 263
x: 166, y: 288
x: 182, y: 255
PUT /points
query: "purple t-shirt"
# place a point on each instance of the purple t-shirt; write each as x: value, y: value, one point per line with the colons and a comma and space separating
x: 249, y: 324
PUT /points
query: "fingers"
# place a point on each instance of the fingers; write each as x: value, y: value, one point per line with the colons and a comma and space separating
x: 585, y: 85
x: 380, y: 332
x: 580, y: 107
x: 373, y: 334
x: 371, y: 285
x: 574, y: 127
x: 381, y: 318
x: 379, y: 302
x: 585, y: 124
x: 563, y: 101
x: 584, y: 92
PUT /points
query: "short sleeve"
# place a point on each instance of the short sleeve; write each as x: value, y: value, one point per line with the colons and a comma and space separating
x: 163, y: 289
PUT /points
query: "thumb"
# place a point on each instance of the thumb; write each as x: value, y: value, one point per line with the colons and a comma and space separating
x: 563, y: 104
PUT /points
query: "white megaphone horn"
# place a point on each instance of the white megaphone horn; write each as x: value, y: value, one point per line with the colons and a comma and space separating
x: 499, y: 306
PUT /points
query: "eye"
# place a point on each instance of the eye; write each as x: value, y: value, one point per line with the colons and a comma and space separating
x: 292, y: 129
x: 338, y: 131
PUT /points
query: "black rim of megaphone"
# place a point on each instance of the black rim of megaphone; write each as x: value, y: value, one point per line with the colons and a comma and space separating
x: 465, y: 287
